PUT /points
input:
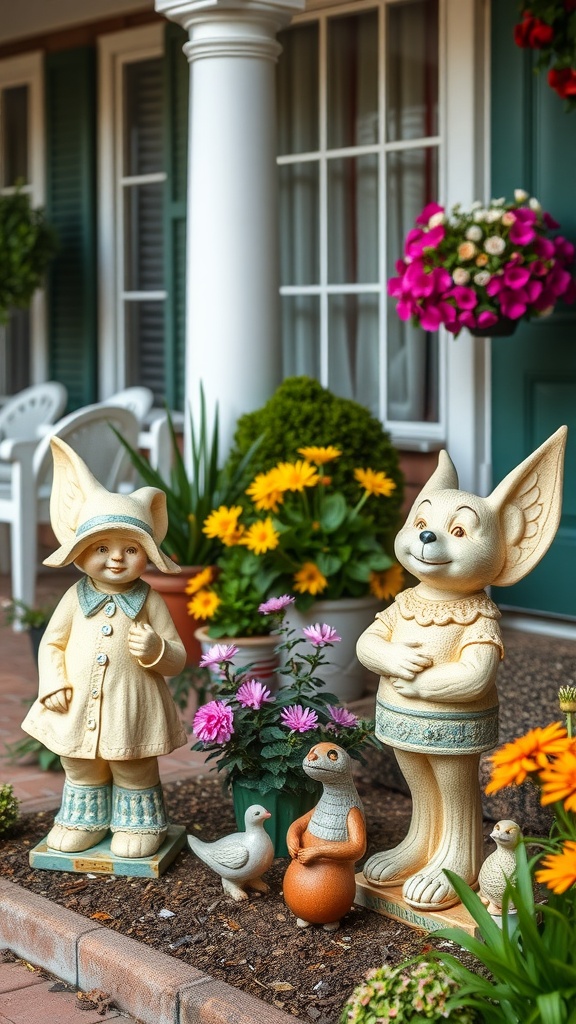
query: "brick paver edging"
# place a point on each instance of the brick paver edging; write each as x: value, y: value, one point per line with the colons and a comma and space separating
x: 151, y: 986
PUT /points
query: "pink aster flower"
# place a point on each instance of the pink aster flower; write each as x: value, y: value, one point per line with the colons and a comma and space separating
x: 321, y: 635
x: 214, y: 722
x: 299, y: 719
x: 275, y: 604
x: 341, y: 716
x: 253, y: 694
x: 217, y: 654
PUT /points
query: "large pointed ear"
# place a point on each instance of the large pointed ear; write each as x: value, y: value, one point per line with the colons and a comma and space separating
x: 73, y: 483
x: 443, y: 478
x: 529, y: 503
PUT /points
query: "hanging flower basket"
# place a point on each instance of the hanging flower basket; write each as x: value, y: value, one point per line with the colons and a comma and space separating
x: 549, y: 26
x: 481, y: 268
x: 503, y: 328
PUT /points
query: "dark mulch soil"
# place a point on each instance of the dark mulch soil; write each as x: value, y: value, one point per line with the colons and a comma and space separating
x: 254, y: 945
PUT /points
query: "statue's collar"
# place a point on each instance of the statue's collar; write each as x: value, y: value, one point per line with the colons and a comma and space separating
x: 130, y: 601
x: 463, y: 611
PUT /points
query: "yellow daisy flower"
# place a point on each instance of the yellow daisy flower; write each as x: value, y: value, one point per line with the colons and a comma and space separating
x: 375, y: 482
x: 558, y: 870
x: 200, y: 580
x: 559, y: 780
x: 309, y: 579
x: 513, y: 762
x: 295, y: 476
x: 320, y: 454
x: 203, y: 605
x: 385, y: 585
x: 261, y: 537
x: 265, y: 492
x: 222, y: 522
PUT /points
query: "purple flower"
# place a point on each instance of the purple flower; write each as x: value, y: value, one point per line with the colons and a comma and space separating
x: 253, y: 695
x: 321, y: 635
x: 217, y: 654
x: 275, y: 604
x: 341, y: 716
x: 214, y: 722
x: 299, y: 719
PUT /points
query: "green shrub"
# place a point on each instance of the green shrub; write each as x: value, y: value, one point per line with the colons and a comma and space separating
x: 410, y: 992
x: 8, y: 808
x: 301, y: 413
x: 27, y: 245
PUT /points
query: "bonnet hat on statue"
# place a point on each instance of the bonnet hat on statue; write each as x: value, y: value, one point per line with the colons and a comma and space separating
x: 81, y: 509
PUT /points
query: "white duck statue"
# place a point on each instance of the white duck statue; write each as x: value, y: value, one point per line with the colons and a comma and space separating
x: 500, y: 866
x: 242, y: 857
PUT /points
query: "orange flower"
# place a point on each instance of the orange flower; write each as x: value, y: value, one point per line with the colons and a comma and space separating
x: 320, y: 455
x: 203, y: 605
x: 558, y: 870
x: 200, y: 580
x: 222, y: 522
x: 265, y: 492
x: 261, y: 537
x: 375, y: 482
x: 559, y: 780
x: 309, y: 579
x: 385, y: 585
x: 514, y: 761
x: 295, y: 476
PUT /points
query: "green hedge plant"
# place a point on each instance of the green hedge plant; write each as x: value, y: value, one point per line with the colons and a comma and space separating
x: 27, y: 245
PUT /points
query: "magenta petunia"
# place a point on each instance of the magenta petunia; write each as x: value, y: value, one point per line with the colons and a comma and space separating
x: 515, y: 277
x: 342, y: 717
x: 253, y: 694
x: 214, y: 722
x: 465, y: 298
x: 406, y: 309
x: 320, y: 635
x: 544, y: 248
x: 549, y: 221
x: 563, y: 249
x: 429, y: 211
x: 430, y: 318
x: 522, y: 234
x: 513, y: 303
x: 275, y: 604
x: 416, y: 282
x: 217, y: 654
x: 487, y: 319
x: 299, y: 719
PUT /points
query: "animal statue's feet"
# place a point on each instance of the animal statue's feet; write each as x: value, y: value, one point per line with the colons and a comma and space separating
x: 233, y: 890
x: 301, y: 923
x: 258, y: 884
x: 73, y: 840
x: 136, y: 844
x: 394, y: 867
x: 429, y: 890
x: 332, y: 926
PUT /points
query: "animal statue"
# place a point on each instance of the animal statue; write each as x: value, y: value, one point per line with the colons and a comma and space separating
x: 241, y: 858
x: 325, y: 843
x: 437, y: 650
x: 500, y: 866
x: 103, y: 703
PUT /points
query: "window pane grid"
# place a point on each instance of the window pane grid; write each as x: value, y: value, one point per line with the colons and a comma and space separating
x: 360, y: 230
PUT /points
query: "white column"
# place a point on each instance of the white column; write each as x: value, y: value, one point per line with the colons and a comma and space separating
x: 232, y: 334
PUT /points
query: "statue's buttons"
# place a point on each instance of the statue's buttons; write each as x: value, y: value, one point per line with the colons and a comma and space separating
x: 95, y: 692
x: 102, y: 659
x: 107, y: 629
x: 109, y: 609
x: 91, y: 724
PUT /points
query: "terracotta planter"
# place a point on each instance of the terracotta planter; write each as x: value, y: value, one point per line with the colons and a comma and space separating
x: 343, y: 675
x: 284, y: 808
x: 256, y: 653
x: 173, y: 590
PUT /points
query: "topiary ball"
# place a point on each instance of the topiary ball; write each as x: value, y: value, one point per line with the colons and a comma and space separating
x: 417, y: 991
x: 8, y: 808
x: 301, y: 413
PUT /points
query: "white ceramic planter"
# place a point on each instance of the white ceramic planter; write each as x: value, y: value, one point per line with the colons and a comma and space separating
x: 255, y: 653
x: 343, y: 675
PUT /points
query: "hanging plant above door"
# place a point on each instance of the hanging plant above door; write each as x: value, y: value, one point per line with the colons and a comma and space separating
x: 550, y: 27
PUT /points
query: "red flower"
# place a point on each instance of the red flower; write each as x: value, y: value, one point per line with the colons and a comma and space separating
x: 563, y: 81
x: 533, y: 33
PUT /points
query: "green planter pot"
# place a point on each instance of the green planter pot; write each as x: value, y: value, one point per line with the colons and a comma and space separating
x: 284, y: 808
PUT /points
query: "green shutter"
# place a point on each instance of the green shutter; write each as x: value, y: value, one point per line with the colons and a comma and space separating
x: 176, y: 78
x: 70, y: 204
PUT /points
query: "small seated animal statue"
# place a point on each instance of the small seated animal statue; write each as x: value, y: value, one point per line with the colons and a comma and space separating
x: 325, y: 843
x: 437, y: 650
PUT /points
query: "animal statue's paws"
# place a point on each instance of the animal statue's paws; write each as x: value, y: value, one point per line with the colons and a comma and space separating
x: 73, y: 840
x: 332, y: 926
x: 233, y: 890
x: 301, y: 923
x: 392, y: 867
x: 136, y: 844
x: 258, y: 885
x: 429, y: 890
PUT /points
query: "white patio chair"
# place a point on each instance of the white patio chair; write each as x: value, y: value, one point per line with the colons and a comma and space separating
x: 22, y: 414
x: 138, y: 399
x: 25, y: 499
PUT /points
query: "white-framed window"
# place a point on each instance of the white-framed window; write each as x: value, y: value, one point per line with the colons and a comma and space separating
x: 132, y: 179
x: 23, y: 356
x: 361, y: 151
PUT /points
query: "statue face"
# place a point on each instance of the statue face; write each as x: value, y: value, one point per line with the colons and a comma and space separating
x: 115, y: 559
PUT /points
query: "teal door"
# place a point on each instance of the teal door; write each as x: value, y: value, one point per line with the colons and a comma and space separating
x: 534, y: 371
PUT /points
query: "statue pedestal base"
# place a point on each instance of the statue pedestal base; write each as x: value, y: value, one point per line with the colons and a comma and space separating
x: 98, y: 860
x: 389, y: 903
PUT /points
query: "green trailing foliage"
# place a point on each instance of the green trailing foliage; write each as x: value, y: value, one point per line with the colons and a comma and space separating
x: 8, y: 808
x: 302, y: 413
x: 27, y: 245
x: 532, y: 966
